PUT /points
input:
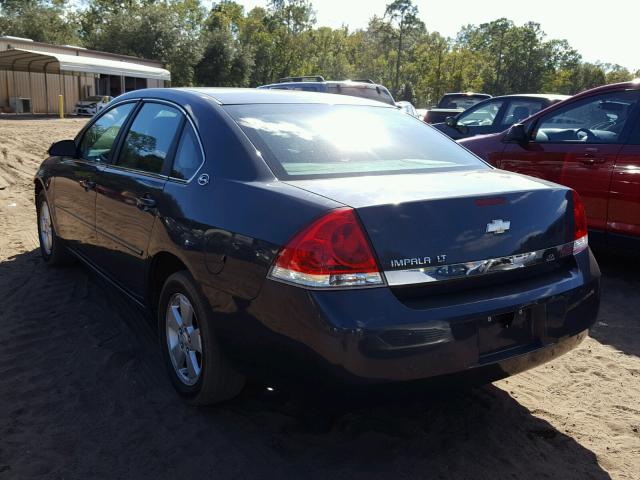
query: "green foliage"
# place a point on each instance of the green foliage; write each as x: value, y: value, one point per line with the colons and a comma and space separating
x: 40, y: 20
x: 166, y: 30
x: 228, y: 46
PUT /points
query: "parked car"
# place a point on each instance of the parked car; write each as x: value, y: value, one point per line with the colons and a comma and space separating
x: 590, y: 142
x: 355, y: 88
x: 408, y: 108
x: 496, y: 114
x: 329, y: 240
x: 91, y: 105
x: 452, y: 104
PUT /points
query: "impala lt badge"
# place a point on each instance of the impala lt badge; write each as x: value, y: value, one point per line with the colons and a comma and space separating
x: 417, y: 261
x: 498, y: 226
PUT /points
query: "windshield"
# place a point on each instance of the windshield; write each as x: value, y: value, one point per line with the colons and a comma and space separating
x: 319, y: 141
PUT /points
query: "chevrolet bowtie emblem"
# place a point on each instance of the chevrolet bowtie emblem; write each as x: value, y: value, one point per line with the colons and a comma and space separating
x: 498, y: 226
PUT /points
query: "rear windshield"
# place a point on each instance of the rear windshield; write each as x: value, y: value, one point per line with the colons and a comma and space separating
x: 460, y: 101
x: 378, y: 93
x: 301, y: 141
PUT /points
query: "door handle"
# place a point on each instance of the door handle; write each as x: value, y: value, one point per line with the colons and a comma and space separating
x: 145, y: 202
x: 590, y: 158
x: 87, y: 184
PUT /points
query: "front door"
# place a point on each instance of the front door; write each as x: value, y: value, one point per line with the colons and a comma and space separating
x: 75, y: 196
x: 478, y: 120
x: 577, y: 146
x: 130, y: 189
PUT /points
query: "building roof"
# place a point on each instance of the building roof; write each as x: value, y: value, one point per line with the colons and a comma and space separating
x: 23, y: 60
x: 30, y: 44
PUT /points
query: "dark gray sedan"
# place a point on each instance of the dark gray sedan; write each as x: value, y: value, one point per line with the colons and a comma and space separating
x: 496, y: 114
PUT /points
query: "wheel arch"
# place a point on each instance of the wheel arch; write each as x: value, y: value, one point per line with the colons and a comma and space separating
x: 38, y: 187
x: 161, y: 266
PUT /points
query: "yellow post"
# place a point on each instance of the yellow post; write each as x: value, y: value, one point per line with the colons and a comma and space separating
x: 60, y: 106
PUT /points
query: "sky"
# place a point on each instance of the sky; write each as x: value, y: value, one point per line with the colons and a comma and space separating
x: 599, y: 31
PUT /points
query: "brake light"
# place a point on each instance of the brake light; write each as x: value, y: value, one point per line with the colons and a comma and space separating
x: 580, y: 237
x: 331, y: 252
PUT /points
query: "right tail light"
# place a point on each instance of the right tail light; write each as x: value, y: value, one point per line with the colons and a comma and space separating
x: 580, y: 234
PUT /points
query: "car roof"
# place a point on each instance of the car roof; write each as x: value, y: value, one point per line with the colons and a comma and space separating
x: 633, y: 84
x: 467, y: 94
x: 548, y: 96
x: 353, y: 83
x: 243, y: 96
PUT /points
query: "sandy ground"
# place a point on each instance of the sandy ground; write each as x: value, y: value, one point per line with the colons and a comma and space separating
x: 83, y: 394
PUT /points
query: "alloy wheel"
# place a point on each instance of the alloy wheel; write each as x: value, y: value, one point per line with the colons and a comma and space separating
x: 183, y: 339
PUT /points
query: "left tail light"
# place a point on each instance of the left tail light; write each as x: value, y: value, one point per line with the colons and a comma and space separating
x: 332, y: 252
x: 580, y: 233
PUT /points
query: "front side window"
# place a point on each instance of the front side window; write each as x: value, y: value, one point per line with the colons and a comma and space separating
x: 598, y: 119
x: 188, y: 155
x: 315, y: 141
x: 150, y: 137
x: 482, y: 115
x: 98, y: 140
x: 518, y: 110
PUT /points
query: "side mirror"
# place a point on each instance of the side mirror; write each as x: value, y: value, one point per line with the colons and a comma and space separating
x: 451, y: 122
x: 64, y: 148
x: 516, y: 134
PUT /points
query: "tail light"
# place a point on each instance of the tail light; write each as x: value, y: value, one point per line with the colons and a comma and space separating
x: 331, y: 252
x: 580, y: 237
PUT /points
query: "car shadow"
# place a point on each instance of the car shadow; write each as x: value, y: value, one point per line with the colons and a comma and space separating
x: 618, y: 323
x: 83, y: 394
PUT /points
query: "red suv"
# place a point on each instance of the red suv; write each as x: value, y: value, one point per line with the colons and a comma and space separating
x: 590, y: 142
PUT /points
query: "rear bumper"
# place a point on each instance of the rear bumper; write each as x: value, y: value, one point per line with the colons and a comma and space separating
x: 369, y: 336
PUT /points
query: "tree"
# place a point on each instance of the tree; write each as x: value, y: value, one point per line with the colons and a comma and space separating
x: 403, y: 15
x: 49, y: 21
x: 225, y: 61
x: 165, y: 30
x: 228, y: 46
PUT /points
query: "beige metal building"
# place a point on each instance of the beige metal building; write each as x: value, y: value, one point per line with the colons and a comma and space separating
x: 33, y: 75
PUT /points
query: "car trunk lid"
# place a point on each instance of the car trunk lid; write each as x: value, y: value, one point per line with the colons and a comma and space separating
x: 440, y: 219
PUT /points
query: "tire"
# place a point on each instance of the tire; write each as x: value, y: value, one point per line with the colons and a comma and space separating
x: 52, y: 247
x: 197, y: 367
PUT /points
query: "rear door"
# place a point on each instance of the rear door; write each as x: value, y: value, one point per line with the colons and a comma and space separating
x: 517, y: 110
x: 577, y: 146
x: 624, y: 204
x: 75, y: 196
x: 130, y: 189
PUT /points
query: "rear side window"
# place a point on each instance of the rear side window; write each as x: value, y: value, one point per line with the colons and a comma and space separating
x: 188, y: 155
x: 518, y: 110
x: 460, y: 101
x: 98, y: 140
x: 635, y: 134
x: 150, y: 138
x: 315, y: 141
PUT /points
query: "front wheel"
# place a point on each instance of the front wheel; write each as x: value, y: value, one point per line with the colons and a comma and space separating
x: 198, y: 368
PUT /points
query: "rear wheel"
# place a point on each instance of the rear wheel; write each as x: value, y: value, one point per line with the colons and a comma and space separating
x: 198, y: 368
x: 52, y: 247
